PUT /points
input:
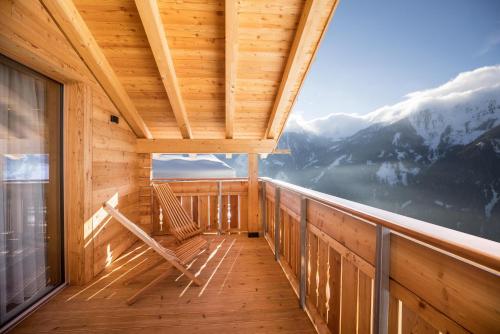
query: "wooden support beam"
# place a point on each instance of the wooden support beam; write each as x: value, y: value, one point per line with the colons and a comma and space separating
x: 231, y: 46
x: 303, y: 252
x: 78, y: 185
x: 382, y: 270
x: 263, y: 201
x: 298, y: 58
x: 277, y: 222
x: 78, y: 34
x: 282, y: 151
x: 219, y: 208
x: 205, y: 145
x: 153, y: 26
x: 253, y: 193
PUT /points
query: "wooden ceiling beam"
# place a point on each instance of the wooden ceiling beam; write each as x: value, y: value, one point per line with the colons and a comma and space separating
x: 231, y: 52
x: 205, y: 145
x: 153, y: 26
x: 67, y: 17
x: 297, y: 59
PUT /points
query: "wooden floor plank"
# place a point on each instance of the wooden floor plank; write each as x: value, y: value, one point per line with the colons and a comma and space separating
x: 245, y: 291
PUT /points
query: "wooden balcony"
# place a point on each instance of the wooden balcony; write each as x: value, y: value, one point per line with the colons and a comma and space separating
x: 341, y: 267
x: 143, y: 77
x: 244, y: 291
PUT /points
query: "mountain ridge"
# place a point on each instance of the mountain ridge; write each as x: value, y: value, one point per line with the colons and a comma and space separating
x: 438, y: 160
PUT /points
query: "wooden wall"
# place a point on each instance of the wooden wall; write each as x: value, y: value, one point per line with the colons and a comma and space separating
x: 115, y: 171
x: 145, y: 192
x: 104, y: 164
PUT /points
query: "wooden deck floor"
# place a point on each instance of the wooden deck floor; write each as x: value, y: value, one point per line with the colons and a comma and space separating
x: 245, y: 292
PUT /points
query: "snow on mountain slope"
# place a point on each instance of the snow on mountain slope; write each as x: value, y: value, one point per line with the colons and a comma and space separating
x: 26, y: 167
x: 333, y: 126
x: 434, y: 156
x: 176, y: 165
x: 456, y: 112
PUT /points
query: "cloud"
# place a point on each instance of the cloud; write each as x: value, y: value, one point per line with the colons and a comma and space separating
x: 492, y: 42
x: 452, y: 92
x: 466, y: 81
x: 335, y: 126
x: 457, y: 90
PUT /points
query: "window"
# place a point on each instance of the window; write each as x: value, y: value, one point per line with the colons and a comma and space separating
x: 31, y: 224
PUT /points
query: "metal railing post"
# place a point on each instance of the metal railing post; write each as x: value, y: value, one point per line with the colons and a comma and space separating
x: 277, y: 218
x: 219, y: 209
x: 303, y: 252
x: 263, y: 202
x: 381, y: 302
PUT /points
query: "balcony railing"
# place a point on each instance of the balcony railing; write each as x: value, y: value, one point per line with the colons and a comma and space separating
x: 359, y: 269
x: 217, y: 205
x: 356, y: 268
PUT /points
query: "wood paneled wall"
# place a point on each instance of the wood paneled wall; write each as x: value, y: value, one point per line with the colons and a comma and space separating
x: 115, y: 172
x: 100, y: 161
x: 145, y: 195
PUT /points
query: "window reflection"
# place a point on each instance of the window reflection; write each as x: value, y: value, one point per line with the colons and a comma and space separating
x: 30, y: 191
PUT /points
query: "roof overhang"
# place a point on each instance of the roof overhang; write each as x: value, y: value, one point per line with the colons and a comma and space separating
x: 207, y: 77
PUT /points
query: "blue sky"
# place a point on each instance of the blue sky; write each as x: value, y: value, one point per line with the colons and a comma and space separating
x: 375, y: 52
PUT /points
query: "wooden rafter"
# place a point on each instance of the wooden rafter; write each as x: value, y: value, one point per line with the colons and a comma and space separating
x: 297, y: 59
x: 231, y: 52
x: 253, y: 192
x: 205, y: 146
x: 153, y: 26
x: 78, y: 34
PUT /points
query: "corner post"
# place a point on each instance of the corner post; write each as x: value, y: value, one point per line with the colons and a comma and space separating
x: 381, y: 302
x: 303, y: 252
x: 78, y: 182
x: 277, y: 218
x: 253, y: 195
x: 219, y: 208
x: 263, y: 201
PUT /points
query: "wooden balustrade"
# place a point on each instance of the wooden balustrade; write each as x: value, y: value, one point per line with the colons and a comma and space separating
x: 357, y: 269
x: 217, y: 205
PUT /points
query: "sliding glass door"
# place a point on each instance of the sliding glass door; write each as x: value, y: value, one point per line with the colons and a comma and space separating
x: 31, y: 263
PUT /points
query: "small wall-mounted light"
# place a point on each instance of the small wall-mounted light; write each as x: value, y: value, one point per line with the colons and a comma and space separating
x: 114, y: 119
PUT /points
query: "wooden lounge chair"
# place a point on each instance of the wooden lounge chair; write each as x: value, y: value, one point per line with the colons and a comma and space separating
x: 181, y: 224
x: 178, y: 258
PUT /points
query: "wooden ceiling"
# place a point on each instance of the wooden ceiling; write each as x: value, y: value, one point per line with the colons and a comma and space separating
x: 198, y: 69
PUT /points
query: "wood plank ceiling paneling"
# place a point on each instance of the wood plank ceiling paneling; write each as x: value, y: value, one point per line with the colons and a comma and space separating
x: 117, y: 27
x: 195, y: 31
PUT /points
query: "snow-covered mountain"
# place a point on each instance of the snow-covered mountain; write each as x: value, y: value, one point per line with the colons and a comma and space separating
x: 434, y: 156
x: 26, y: 167
x: 333, y: 126
x: 181, y: 166
x: 448, y: 113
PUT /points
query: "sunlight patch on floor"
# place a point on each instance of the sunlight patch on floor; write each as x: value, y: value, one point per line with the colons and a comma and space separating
x: 216, y: 268
x: 107, y: 275
x: 230, y: 270
x: 212, y: 254
x: 116, y: 279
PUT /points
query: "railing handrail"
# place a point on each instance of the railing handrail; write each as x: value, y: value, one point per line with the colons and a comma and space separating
x: 205, y: 179
x: 479, y: 250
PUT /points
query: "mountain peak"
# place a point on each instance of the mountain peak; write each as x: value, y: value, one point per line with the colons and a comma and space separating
x: 460, y: 110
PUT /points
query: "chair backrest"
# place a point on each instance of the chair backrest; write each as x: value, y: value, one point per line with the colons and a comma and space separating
x: 139, y: 233
x: 181, y: 224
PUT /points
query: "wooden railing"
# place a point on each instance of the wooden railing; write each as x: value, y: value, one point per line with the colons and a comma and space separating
x: 358, y: 269
x: 217, y: 205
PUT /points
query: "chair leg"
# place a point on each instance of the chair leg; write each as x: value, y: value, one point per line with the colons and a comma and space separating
x: 207, y: 247
x: 191, y: 276
x: 157, y: 280
x: 142, y: 271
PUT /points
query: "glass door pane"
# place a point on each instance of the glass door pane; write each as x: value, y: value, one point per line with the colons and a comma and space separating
x: 30, y: 188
